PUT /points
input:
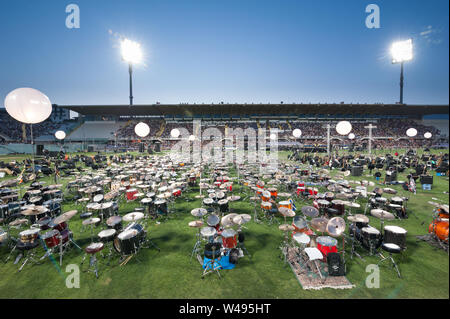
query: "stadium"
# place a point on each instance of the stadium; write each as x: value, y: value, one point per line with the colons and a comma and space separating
x: 287, y: 200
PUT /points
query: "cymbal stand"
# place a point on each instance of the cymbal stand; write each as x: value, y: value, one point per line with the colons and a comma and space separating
x: 255, y: 214
x: 198, y: 242
x: 147, y: 242
x: 284, y: 247
x: 353, y: 250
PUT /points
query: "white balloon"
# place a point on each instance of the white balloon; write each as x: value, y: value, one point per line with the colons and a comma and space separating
x: 273, y: 136
x: 351, y: 136
x: 192, y: 138
x: 297, y: 132
x: 142, y: 129
x: 60, y: 135
x: 28, y: 105
x: 427, y: 135
x: 175, y: 133
x: 344, y: 127
x: 411, y: 132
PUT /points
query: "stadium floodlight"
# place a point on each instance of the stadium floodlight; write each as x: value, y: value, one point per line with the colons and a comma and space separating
x: 131, y: 51
x: 60, y: 135
x: 344, y: 127
x: 411, y: 132
x: 402, y: 51
x: 351, y: 136
x: 297, y: 133
x: 273, y: 136
x: 175, y: 133
x: 192, y: 138
x: 132, y: 54
x: 427, y: 135
x: 142, y: 129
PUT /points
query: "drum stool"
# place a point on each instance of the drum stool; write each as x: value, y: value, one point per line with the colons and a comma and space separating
x: 391, y: 249
x: 92, y: 250
x: 27, y: 250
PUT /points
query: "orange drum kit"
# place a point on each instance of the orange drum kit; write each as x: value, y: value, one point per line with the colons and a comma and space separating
x: 439, y: 225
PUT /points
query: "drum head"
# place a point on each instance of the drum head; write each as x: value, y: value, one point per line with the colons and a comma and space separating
x: 228, y: 233
x: 127, y: 234
x: 98, y: 198
x: 302, y: 238
x: 326, y: 241
x: 107, y: 233
x: 208, y: 231
x: 213, y: 220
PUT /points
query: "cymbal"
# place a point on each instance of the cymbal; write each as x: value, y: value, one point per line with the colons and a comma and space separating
x: 227, y: 220
x: 234, y: 198
x: 319, y: 224
x: 64, y: 217
x: 36, y: 210
x: 131, y: 217
x: 336, y: 226
x: 352, y: 204
x: 196, y: 224
x: 358, y: 218
x: 286, y: 212
x: 286, y: 227
x: 91, y: 221
x: 284, y: 195
x: 199, y: 212
x: 389, y: 190
x: 18, y: 222
x: 310, y: 211
x: 242, y: 219
x: 382, y: 214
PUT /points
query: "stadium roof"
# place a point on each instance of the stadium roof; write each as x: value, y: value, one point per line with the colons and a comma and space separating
x: 192, y: 110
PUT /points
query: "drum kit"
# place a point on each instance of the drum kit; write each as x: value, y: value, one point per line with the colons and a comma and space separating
x: 438, y: 228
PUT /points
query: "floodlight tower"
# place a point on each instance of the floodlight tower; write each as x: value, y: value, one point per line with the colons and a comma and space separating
x: 401, y: 52
x: 132, y: 54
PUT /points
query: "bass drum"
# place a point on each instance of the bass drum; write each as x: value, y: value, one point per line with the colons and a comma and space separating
x: 130, y: 240
x: 233, y: 256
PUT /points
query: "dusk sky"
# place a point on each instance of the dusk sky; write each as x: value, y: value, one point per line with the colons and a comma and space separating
x: 203, y: 51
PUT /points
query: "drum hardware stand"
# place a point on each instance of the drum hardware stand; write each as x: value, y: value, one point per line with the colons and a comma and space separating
x: 147, y: 242
x: 393, y: 263
x: 353, y: 250
x: 29, y: 256
x: 211, y: 266
x: 197, y: 246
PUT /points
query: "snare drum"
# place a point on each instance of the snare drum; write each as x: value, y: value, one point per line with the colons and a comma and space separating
x: 107, y: 235
x: 229, y: 238
x: 301, y: 190
x: 397, y: 201
x: 285, y: 203
x: 395, y: 235
x: 329, y: 196
x: 44, y: 222
x: 326, y: 245
x: 29, y: 235
x: 312, y: 191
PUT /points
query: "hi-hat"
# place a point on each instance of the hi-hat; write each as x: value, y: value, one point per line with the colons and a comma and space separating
x: 310, y: 211
x: 286, y: 212
x: 91, y: 221
x: 336, y: 226
x: 319, y: 224
x: 286, y: 227
x: 199, y: 212
x: 196, y: 224
x: 64, y: 217
x: 389, y: 190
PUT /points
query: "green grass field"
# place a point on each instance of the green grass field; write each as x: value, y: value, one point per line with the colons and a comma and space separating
x: 170, y: 274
